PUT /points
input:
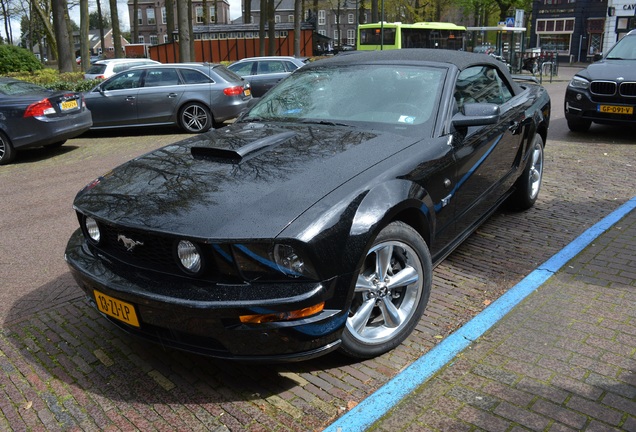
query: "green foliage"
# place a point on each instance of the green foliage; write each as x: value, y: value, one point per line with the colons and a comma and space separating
x: 16, y: 59
x: 52, y: 79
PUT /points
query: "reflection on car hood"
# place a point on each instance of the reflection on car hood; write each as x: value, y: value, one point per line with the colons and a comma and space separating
x: 247, y: 180
x: 610, y: 70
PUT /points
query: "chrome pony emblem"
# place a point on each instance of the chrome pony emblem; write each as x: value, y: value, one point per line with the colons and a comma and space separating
x: 128, y: 243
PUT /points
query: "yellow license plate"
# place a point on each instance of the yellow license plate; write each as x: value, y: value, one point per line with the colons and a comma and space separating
x: 616, y: 109
x: 68, y: 105
x: 248, y: 92
x: 116, y: 308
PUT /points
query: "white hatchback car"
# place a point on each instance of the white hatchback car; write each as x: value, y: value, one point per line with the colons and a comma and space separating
x: 103, y: 69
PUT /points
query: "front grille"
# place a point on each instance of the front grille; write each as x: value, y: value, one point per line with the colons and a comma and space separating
x: 627, y: 89
x: 604, y: 88
x: 149, y: 251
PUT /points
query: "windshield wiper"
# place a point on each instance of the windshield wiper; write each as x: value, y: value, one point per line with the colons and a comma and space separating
x: 326, y: 122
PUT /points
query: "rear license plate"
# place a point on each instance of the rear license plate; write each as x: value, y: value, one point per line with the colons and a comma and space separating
x: 116, y: 308
x: 248, y: 92
x: 68, y: 105
x: 616, y: 109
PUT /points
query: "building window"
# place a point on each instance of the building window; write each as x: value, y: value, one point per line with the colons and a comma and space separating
x: 336, y: 37
x: 351, y: 37
x: 150, y: 14
x: 153, y: 40
x: 165, y: 38
x: 276, y: 19
x: 164, y: 17
x: 322, y: 32
x: 322, y: 17
x: 212, y: 14
x: 290, y: 18
x: 140, y: 17
x: 198, y: 11
x: 555, y: 34
x: 140, y: 39
x: 350, y: 18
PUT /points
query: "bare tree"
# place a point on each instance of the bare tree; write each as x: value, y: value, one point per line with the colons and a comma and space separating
x: 135, y: 22
x: 184, y: 23
x: 84, y: 49
x: 170, y: 27
x: 114, y: 19
x: 101, y: 25
x: 65, y: 62
x: 298, y: 15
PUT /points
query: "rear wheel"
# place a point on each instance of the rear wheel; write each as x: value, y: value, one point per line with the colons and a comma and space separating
x: 391, y: 292
x: 579, y: 125
x: 195, y: 118
x: 7, y: 152
x: 529, y: 184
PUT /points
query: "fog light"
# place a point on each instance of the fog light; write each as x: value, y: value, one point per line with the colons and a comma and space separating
x: 92, y: 229
x: 579, y: 97
x: 189, y: 256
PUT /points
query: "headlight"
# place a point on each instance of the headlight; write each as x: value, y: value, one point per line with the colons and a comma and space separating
x: 266, y: 261
x: 92, y: 229
x: 579, y: 83
x: 189, y: 256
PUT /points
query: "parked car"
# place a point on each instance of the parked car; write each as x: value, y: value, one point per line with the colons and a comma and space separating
x: 32, y: 116
x: 102, y: 69
x: 605, y: 91
x: 194, y: 96
x: 315, y: 220
x: 263, y: 73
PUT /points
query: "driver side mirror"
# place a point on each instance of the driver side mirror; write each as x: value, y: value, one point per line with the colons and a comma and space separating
x: 477, y: 114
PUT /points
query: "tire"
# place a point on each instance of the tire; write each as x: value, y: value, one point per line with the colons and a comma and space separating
x: 195, y: 118
x: 391, y: 293
x: 528, y: 185
x: 55, y: 145
x: 7, y: 152
x: 578, y: 125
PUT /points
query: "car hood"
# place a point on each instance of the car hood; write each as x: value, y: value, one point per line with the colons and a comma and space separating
x: 610, y: 70
x: 246, y: 180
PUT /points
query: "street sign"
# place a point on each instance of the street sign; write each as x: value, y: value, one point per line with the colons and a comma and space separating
x: 510, y: 22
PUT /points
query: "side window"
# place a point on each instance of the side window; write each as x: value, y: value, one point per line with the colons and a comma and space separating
x: 161, y: 77
x: 481, y: 84
x: 290, y: 66
x: 191, y: 76
x: 243, y: 69
x: 127, y: 80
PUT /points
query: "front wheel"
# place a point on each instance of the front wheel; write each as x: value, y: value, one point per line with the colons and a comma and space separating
x: 529, y: 184
x: 578, y: 125
x: 7, y: 152
x: 195, y: 118
x: 391, y: 292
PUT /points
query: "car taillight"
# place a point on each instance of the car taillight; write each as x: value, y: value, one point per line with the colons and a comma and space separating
x: 233, y: 91
x: 38, y: 109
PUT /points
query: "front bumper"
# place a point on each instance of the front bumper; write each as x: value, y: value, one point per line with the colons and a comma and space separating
x: 204, y: 319
x: 580, y: 105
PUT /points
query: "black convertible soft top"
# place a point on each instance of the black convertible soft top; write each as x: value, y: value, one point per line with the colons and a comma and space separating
x: 460, y: 59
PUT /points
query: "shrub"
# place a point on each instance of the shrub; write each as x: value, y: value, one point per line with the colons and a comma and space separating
x: 52, y: 79
x: 16, y: 59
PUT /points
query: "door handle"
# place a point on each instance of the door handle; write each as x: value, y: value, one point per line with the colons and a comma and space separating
x: 130, y: 98
x: 172, y: 95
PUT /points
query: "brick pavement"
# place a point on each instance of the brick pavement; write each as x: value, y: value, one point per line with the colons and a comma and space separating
x: 563, y: 360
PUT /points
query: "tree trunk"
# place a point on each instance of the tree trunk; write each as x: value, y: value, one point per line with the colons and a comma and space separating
x: 170, y: 27
x: 47, y: 26
x: 60, y: 14
x: 135, y: 21
x: 84, y: 49
x: 271, y: 27
x: 184, y: 33
x: 298, y: 15
x: 114, y: 19
x: 101, y: 27
x: 261, y: 27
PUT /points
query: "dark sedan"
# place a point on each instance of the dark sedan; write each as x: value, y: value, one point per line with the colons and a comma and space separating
x: 194, y: 96
x: 32, y: 116
x: 263, y: 73
x: 314, y: 221
x: 605, y: 91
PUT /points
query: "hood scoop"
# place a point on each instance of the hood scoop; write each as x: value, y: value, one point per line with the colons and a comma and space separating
x: 236, y: 156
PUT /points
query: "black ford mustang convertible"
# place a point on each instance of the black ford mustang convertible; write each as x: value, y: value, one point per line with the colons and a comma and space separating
x: 313, y: 222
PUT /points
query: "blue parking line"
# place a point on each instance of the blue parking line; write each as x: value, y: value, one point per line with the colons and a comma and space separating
x: 386, y: 397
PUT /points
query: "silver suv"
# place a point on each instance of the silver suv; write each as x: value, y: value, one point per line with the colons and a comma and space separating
x: 103, y: 69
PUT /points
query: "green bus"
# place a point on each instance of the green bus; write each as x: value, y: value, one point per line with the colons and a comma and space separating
x: 385, y: 35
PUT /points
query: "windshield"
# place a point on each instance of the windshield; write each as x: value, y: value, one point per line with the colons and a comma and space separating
x: 625, y: 49
x: 404, y: 96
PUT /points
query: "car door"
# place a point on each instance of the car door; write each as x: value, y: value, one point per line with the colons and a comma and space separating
x: 159, y: 96
x: 486, y: 156
x: 268, y: 73
x: 114, y: 102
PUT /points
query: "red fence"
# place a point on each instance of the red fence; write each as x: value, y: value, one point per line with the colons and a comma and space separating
x: 219, y: 50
